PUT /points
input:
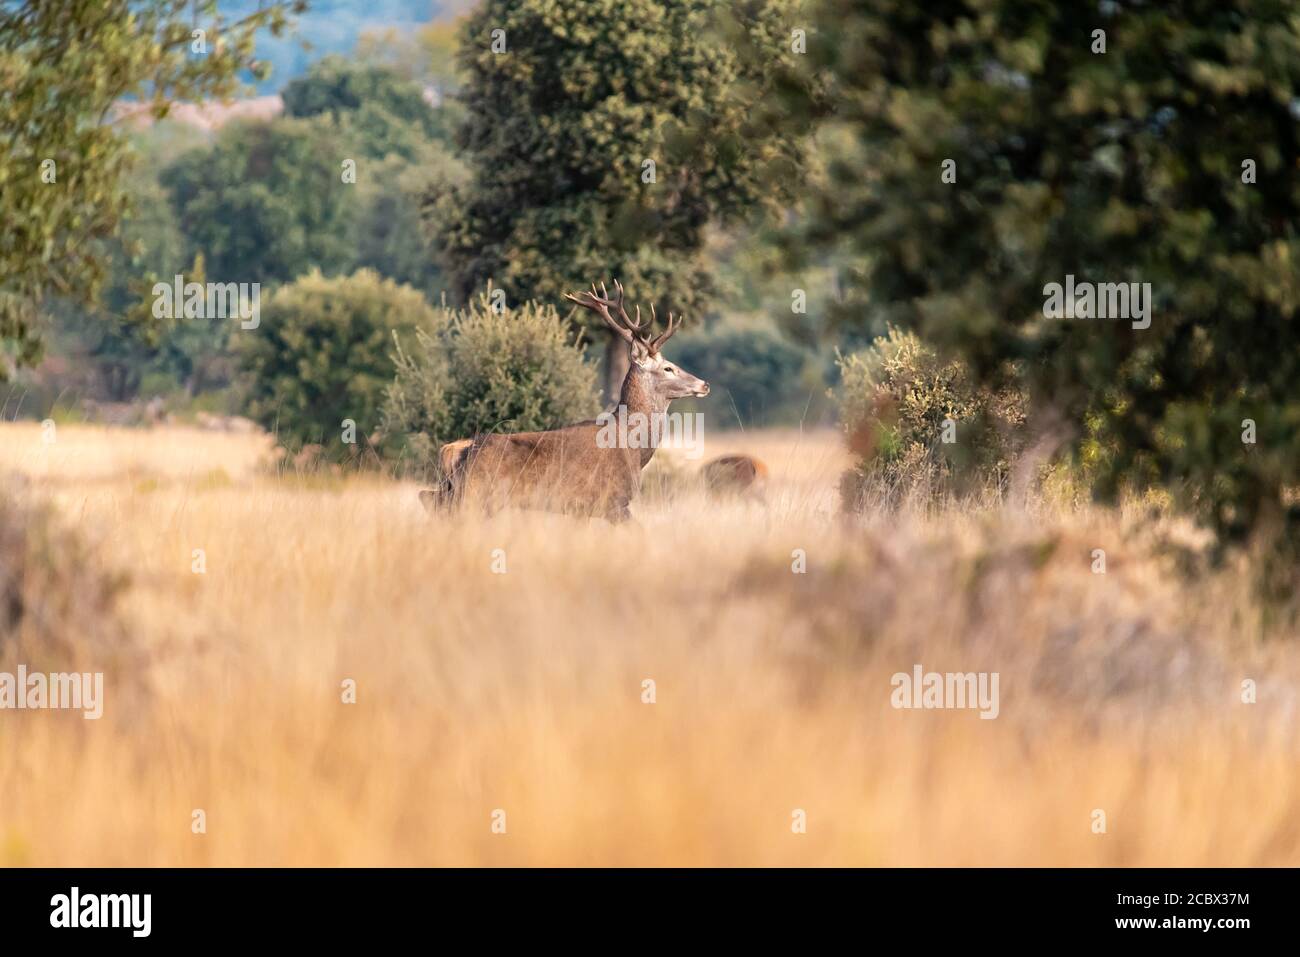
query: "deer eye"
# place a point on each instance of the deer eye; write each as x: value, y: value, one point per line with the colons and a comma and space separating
x: 670, y: 370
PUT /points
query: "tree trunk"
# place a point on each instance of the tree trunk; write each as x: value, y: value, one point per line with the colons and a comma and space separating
x: 617, y: 362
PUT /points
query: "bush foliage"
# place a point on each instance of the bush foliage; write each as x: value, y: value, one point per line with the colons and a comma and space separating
x: 323, y: 354
x: 897, y: 397
x: 480, y: 370
x: 56, y: 600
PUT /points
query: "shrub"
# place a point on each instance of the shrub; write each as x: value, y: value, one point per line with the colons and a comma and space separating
x: 896, y: 398
x: 756, y: 374
x: 323, y: 354
x: 56, y: 600
x: 479, y: 370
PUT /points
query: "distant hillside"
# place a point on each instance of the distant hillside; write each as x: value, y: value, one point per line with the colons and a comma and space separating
x: 204, y: 116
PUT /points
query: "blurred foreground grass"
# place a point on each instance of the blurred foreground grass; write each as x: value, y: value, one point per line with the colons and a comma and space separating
x: 523, y: 691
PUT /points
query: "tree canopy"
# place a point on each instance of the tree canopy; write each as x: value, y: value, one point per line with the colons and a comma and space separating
x: 63, y: 67
x: 390, y: 113
x: 266, y: 203
x: 605, y: 137
x: 999, y: 147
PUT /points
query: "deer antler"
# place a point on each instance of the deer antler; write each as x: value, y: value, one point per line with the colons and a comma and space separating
x: 634, y: 331
x: 653, y: 345
x: 664, y: 336
x: 601, y: 304
x: 635, y: 327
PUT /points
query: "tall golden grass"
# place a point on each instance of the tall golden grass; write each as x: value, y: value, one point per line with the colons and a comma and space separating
x: 523, y: 692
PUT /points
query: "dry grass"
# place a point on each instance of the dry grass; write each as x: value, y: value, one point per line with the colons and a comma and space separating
x: 522, y: 691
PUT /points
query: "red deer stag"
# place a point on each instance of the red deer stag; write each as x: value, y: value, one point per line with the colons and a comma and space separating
x: 574, y: 469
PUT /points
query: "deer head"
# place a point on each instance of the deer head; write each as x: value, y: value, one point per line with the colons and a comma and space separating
x: 664, y: 380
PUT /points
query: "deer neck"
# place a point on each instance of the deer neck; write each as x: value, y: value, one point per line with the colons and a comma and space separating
x: 639, y: 397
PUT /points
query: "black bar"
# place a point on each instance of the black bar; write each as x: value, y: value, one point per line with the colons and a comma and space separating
x: 335, y: 907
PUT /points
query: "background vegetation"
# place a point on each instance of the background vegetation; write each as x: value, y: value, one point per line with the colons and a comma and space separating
x: 918, y: 424
x: 1115, y: 143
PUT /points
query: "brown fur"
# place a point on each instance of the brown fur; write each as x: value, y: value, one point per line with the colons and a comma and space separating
x: 734, y: 475
x: 451, y: 455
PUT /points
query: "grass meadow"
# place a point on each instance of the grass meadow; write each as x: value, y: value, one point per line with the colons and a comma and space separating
x: 500, y: 666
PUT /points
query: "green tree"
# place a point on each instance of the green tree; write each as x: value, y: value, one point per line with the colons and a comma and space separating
x: 121, y: 351
x: 270, y: 200
x: 1128, y: 165
x: 267, y: 202
x: 323, y: 354
x: 63, y: 66
x: 388, y: 113
x: 567, y: 104
x: 118, y: 347
x: 387, y: 232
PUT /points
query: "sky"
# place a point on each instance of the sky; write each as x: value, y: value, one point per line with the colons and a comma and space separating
x: 333, y: 26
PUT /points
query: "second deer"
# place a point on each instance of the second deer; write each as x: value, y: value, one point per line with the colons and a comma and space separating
x: 741, y: 476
